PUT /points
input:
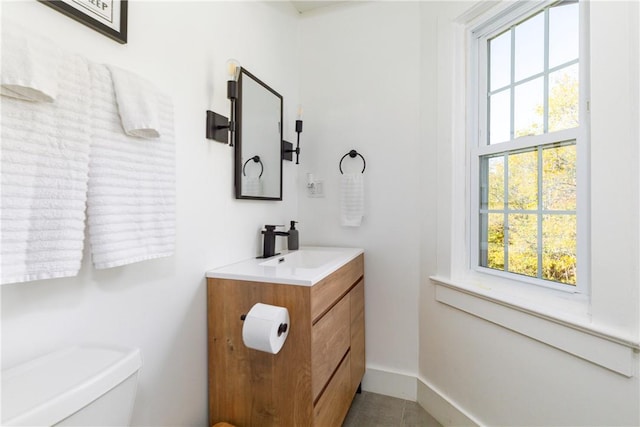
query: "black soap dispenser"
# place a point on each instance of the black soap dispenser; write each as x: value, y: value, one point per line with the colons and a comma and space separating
x: 293, y: 242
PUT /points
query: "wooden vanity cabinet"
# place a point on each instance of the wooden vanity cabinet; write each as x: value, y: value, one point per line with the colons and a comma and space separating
x: 314, y: 377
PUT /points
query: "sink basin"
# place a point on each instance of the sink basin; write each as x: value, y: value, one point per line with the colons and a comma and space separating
x: 304, y: 267
x: 305, y: 258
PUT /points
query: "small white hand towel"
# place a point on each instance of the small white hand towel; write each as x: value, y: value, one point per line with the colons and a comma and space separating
x: 138, y: 103
x: 30, y: 65
x: 351, y: 199
x: 251, y: 186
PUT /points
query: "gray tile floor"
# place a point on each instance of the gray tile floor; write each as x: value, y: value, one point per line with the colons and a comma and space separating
x: 376, y: 410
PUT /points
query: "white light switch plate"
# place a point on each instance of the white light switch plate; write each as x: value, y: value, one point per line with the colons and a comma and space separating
x: 316, y: 190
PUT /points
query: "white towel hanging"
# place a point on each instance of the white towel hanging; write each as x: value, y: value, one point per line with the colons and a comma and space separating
x: 30, y: 64
x: 351, y: 199
x: 131, y: 200
x: 138, y: 103
x: 45, y: 159
x: 251, y: 186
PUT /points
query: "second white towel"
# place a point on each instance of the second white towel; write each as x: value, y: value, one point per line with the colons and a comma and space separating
x: 351, y: 199
x: 131, y: 199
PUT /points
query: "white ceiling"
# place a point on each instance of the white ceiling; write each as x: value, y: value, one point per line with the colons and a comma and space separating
x: 307, y: 5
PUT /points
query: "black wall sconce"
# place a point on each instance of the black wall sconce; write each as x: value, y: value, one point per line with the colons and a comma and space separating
x: 219, y: 128
x: 287, y: 147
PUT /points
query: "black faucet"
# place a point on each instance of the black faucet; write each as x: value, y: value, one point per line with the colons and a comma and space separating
x: 270, y: 240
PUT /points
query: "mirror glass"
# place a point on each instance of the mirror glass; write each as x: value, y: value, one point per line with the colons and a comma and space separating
x: 258, y: 169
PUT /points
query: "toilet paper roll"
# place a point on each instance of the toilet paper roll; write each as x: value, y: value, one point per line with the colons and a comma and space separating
x: 266, y: 328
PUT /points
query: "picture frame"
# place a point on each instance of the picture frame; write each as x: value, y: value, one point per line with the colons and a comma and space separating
x: 108, y: 17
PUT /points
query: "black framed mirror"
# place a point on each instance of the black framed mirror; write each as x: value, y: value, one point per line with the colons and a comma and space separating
x: 258, y: 156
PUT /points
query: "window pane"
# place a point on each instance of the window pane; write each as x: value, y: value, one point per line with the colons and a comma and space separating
x: 492, y: 238
x: 500, y: 61
x: 559, y: 248
x: 528, y: 108
x: 563, y: 98
x: 523, y: 244
x: 500, y: 117
x: 523, y: 181
x: 492, y: 183
x: 563, y: 33
x: 529, y: 49
x: 495, y: 184
x: 559, y: 178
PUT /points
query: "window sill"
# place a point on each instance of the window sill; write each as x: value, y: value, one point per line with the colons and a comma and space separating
x: 556, y: 318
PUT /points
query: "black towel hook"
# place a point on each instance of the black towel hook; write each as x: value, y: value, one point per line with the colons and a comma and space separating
x: 353, y: 154
x: 257, y: 160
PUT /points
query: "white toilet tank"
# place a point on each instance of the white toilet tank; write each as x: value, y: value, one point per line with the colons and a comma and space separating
x: 78, y: 386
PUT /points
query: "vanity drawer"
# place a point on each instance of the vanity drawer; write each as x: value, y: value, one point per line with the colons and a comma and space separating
x: 333, y: 405
x: 328, y: 290
x: 330, y: 340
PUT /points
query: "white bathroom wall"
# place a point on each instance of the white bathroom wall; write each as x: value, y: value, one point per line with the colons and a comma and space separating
x: 371, y: 76
x: 160, y: 306
x: 474, y: 371
x: 360, y: 89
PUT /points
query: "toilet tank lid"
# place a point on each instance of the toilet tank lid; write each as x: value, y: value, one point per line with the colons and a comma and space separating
x: 48, y: 389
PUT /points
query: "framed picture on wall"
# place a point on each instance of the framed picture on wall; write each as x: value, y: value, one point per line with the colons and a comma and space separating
x: 106, y: 16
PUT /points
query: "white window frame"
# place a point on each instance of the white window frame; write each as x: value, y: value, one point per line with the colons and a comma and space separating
x: 599, y: 327
x: 477, y: 146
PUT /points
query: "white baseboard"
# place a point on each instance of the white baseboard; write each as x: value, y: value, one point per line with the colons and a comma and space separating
x: 389, y: 383
x: 404, y: 386
x: 441, y: 407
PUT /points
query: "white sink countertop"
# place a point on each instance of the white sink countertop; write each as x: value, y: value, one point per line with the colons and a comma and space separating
x: 304, y: 267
